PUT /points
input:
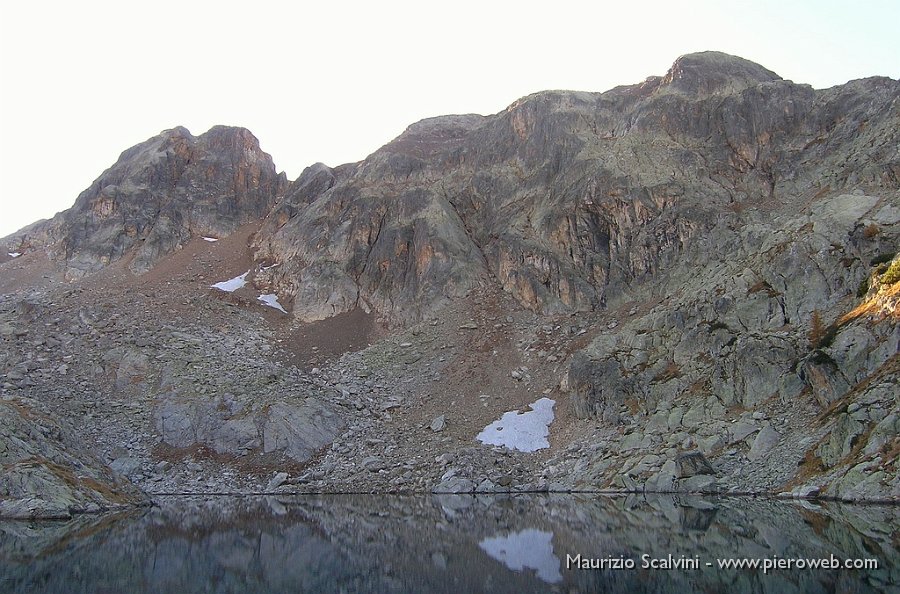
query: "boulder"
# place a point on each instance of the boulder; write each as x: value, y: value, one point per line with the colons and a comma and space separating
x: 699, y: 483
x: 277, y: 480
x: 764, y: 443
x: 295, y: 429
x: 438, y: 423
x: 690, y: 464
x: 454, y: 484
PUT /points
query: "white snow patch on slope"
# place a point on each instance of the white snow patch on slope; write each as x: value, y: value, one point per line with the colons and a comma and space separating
x: 232, y: 284
x: 210, y: 239
x: 529, y: 548
x: 525, y: 432
x: 13, y: 254
x: 271, y: 299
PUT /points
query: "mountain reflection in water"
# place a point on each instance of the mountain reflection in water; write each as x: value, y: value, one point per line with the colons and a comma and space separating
x: 449, y: 543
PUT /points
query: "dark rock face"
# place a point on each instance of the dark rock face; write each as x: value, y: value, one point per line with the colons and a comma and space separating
x: 158, y: 195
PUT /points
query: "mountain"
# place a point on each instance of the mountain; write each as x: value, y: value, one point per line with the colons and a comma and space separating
x: 158, y: 195
x: 700, y: 269
x: 571, y: 201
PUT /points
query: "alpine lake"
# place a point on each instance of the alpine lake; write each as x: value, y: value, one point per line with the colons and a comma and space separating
x: 540, y: 542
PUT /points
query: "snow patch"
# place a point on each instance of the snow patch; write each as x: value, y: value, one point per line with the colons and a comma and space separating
x: 13, y: 254
x: 210, y: 239
x: 271, y: 299
x: 525, y: 432
x: 529, y: 548
x: 232, y: 284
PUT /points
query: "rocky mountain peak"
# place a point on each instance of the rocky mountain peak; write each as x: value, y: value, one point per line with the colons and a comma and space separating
x: 708, y: 73
x: 230, y: 138
x: 431, y: 136
x: 158, y: 195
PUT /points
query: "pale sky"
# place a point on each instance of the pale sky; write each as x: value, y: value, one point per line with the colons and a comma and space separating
x: 80, y: 82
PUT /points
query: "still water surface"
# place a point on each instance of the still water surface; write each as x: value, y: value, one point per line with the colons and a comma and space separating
x: 454, y: 544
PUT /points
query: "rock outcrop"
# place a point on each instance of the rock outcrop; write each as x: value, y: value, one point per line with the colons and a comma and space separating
x: 48, y: 472
x: 378, y: 235
x: 231, y: 427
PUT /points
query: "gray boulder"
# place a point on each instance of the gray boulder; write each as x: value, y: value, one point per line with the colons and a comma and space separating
x: 690, y: 464
x: 296, y: 430
x: 764, y: 443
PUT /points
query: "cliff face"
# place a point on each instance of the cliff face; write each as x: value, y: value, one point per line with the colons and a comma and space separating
x: 158, y: 195
x: 570, y: 201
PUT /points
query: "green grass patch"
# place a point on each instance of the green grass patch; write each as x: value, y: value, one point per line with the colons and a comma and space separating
x: 892, y: 274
